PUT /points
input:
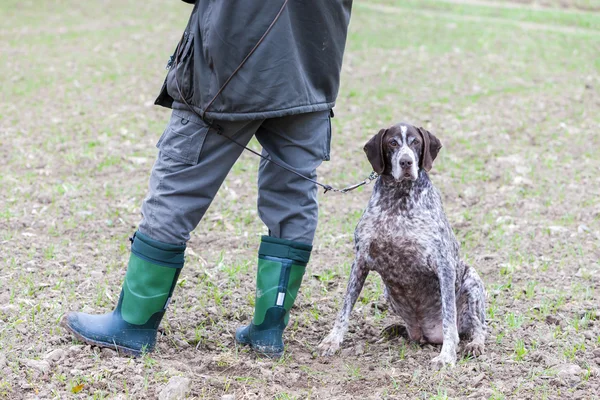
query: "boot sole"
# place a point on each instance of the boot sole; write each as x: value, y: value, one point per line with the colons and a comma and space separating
x: 119, y: 349
x: 261, y: 349
x: 270, y: 354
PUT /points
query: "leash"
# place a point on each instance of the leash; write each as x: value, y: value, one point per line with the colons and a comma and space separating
x: 326, y: 188
x: 219, y: 130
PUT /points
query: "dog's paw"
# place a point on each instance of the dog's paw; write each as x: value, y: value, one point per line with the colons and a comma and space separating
x: 330, y: 344
x: 442, y: 361
x: 475, y: 348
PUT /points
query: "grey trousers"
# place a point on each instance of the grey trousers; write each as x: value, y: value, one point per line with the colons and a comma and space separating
x: 193, y: 161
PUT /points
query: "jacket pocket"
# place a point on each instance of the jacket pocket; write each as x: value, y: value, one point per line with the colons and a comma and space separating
x: 180, y: 79
x: 183, y: 138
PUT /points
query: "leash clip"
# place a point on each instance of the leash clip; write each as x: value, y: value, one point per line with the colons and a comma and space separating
x: 328, y: 188
x: 373, y: 175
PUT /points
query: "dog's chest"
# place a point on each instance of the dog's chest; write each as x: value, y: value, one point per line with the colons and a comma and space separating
x: 404, y: 253
x: 405, y: 231
x: 405, y: 235
x: 403, y: 244
x: 399, y: 249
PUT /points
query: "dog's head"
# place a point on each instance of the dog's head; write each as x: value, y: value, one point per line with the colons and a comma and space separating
x: 401, y: 150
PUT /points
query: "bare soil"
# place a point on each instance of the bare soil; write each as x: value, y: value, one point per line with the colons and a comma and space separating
x: 517, y: 110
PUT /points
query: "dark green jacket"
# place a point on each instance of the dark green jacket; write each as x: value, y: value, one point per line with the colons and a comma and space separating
x: 296, y: 69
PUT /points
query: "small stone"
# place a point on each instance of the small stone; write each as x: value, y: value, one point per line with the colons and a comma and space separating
x: 96, y: 275
x: 118, y: 397
x: 55, y: 355
x: 177, y: 388
x: 347, y: 352
x: 557, y: 230
x: 2, y: 361
x: 359, y: 349
x: 570, y: 373
x: 267, y: 373
x: 537, y: 357
x: 42, y: 367
x: 138, y: 380
x: 582, y: 229
x: 181, y: 343
x: 477, y: 380
x: 108, y: 353
x: 292, y: 377
x: 483, y: 393
x: 228, y: 397
x: 522, y: 181
x: 9, y: 309
x: 503, y: 219
x: 596, y: 352
x: 76, y: 348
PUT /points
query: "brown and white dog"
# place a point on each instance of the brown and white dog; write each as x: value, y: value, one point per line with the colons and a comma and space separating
x: 405, y: 237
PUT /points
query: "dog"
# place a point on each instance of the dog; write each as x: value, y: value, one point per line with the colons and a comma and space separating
x: 404, y: 236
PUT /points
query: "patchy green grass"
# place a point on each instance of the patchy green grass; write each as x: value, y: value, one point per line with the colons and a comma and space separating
x: 511, y: 89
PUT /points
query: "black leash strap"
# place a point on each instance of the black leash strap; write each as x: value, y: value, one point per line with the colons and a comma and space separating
x: 219, y: 130
x: 327, y: 188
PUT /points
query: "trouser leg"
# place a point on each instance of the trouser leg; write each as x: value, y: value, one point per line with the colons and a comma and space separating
x: 192, y: 163
x: 287, y: 203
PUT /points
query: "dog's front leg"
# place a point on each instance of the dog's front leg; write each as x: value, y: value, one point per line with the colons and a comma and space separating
x: 358, y: 275
x: 447, y: 278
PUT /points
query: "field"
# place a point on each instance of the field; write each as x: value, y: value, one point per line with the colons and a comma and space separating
x: 512, y: 89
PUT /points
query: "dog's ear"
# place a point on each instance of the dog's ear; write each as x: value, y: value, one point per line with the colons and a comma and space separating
x: 431, y: 148
x: 374, y: 151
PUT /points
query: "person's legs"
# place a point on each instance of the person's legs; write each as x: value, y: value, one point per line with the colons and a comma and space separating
x: 192, y: 163
x: 287, y: 203
x: 288, y: 206
x: 191, y: 166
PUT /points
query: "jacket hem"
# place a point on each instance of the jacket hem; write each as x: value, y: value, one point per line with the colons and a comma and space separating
x: 229, y: 116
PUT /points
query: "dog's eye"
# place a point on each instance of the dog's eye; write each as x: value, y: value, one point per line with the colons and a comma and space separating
x: 415, y: 142
x: 393, y: 143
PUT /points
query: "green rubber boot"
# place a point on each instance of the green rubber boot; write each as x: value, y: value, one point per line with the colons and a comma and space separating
x: 131, y: 328
x: 281, y: 266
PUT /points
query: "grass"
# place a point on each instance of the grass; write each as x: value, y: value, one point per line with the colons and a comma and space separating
x: 511, y: 89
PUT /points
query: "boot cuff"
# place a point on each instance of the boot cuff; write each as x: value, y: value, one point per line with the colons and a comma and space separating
x: 283, y: 248
x: 159, y: 253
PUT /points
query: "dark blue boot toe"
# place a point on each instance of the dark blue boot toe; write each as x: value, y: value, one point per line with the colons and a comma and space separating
x: 241, y: 335
x: 111, y: 331
x: 267, y: 342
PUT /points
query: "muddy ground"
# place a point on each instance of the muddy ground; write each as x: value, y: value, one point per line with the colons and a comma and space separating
x: 511, y: 89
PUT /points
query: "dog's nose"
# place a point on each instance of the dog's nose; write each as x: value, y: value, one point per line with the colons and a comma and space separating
x: 405, y: 161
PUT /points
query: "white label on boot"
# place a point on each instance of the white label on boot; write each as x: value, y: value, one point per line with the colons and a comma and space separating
x: 280, y: 298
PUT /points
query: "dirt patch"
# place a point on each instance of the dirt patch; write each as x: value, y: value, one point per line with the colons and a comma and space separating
x: 516, y: 110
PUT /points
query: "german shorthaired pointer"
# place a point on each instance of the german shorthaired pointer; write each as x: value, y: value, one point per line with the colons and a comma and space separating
x: 405, y: 237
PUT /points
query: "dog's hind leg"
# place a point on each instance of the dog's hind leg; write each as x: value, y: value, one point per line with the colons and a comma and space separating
x: 471, y: 312
x: 332, y: 341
